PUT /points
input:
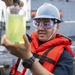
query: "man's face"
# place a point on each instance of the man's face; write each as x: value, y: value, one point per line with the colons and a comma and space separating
x: 44, y: 29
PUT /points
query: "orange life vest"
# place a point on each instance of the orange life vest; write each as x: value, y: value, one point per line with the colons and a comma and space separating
x: 59, y: 44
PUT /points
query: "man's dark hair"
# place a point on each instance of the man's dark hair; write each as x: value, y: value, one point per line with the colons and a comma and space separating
x: 16, y: 1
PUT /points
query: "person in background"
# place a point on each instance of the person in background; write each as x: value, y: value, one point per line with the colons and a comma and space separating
x: 61, y: 15
x: 8, y: 2
x: 2, y: 9
x: 11, y: 2
x: 45, y: 52
x: 2, y: 17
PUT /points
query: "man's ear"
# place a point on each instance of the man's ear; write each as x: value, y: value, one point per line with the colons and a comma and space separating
x: 57, y: 25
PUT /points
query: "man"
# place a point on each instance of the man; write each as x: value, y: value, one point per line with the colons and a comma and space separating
x: 48, y: 53
x: 20, y: 3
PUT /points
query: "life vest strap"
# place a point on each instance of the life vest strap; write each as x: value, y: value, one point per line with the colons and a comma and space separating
x: 43, y: 57
x: 16, y: 66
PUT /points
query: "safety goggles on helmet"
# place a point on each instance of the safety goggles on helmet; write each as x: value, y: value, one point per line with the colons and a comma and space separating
x: 47, y: 24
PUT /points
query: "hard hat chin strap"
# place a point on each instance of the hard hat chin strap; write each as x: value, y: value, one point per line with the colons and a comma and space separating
x: 54, y: 29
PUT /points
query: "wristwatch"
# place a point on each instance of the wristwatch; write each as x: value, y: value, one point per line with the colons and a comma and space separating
x: 27, y: 63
